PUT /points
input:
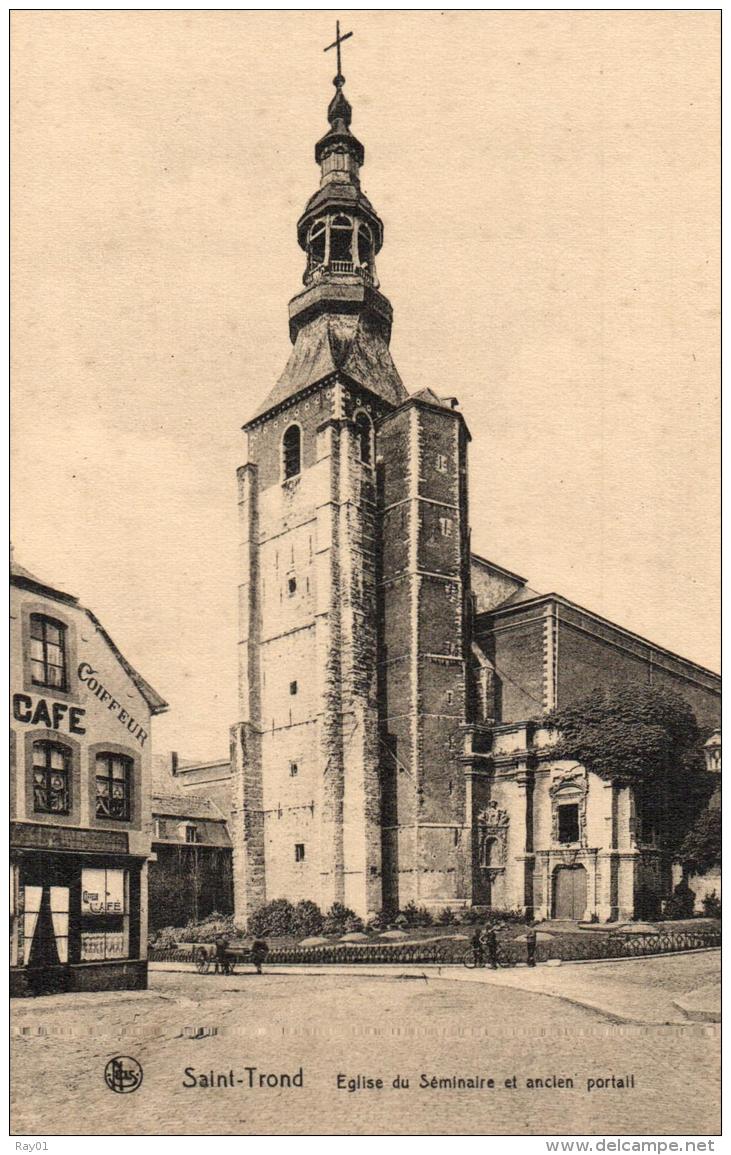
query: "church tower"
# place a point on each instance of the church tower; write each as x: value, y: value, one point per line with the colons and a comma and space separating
x: 354, y: 568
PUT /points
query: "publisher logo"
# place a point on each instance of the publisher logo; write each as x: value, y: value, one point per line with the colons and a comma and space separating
x: 123, y: 1074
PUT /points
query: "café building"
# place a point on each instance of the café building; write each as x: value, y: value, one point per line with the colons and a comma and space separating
x: 80, y: 829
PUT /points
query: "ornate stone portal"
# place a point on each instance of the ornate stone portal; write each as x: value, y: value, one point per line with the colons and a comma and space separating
x: 492, y: 829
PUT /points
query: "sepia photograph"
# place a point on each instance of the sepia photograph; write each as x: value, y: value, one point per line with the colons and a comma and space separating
x: 365, y: 744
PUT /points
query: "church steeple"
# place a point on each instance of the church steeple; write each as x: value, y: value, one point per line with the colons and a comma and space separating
x: 340, y: 321
x: 340, y: 230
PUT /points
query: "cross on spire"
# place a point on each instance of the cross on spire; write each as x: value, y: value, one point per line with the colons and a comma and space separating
x: 339, y: 79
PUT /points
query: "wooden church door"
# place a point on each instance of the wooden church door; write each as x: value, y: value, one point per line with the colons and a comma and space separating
x: 569, y: 899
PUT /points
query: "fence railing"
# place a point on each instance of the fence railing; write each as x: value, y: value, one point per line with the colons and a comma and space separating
x: 568, y: 948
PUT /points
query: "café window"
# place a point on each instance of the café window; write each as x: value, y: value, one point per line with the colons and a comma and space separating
x: 48, y: 652
x: 299, y: 851
x: 568, y: 822
x: 113, y: 786
x: 51, y: 778
x: 104, y: 914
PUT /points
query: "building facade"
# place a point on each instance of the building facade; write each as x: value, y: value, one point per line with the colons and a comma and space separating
x: 190, y: 868
x: 389, y: 747
x: 79, y: 798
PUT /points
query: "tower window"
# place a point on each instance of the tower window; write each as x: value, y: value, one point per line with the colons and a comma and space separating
x: 291, y: 586
x: 441, y: 463
x: 299, y: 851
x: 293, y: 687
x: 341, y: 239
x: 364, y: 431
x: 293, y: 769
x: 317, y: 243
x: 292, y: 451
x: 365, y: 245
x: 445, y: 526
x: 47, y: 652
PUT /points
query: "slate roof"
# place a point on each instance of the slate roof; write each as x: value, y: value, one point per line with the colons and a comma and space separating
x: 338, y: 342
x: 185, y: 806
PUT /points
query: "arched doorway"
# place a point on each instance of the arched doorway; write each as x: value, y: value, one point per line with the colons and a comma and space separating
x: 569, y: 892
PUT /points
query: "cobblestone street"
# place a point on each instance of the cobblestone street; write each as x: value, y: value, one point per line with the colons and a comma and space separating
x: 373, y: 1027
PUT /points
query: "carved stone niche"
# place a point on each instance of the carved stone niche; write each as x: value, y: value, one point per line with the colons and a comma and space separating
x: 492, y: 830
x: 569, y: 788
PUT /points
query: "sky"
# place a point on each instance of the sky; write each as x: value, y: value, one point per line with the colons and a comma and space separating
x: 549, y: 186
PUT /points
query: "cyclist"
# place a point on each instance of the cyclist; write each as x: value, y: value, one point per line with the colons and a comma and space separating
x: 221, y: 963
x: 476, y: 943
x: 490, y: 939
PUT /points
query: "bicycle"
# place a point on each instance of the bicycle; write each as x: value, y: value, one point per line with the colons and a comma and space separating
x: 472, y: 959
x: 203, y: 960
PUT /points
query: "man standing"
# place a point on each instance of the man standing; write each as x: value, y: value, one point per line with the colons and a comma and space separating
x: 530, y: 946
x: 221, y: 963
x: 259, y: 951
x: 491, y: 944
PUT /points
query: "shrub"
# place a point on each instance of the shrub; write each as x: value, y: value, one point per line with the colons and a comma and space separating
x: 165, y: 938
x: 209, y: 929
x: 681, y: 902
x: 337, y: 918
x: 410, y: 913
x: 354, y: 925
x: 307, y: 918
x: 445, y: 917
x: 376, y: 922
x: 276, y: 918
x: 701, y: 847
x: 400, y: 921
x: 712, y: 905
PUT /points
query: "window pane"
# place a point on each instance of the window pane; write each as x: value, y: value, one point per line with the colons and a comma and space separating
x: 93, y: 891
x: 58, y: 760
x: 119, y: 769
x: 53, y: 633
x: 38, y: 671
x: 36, y: 649
x: 568, y: 823
x: 115, y: 892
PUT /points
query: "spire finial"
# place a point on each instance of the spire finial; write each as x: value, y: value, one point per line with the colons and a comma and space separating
x: 339, y: 80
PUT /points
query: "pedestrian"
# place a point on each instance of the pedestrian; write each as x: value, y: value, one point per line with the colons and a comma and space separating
x: 491, y: 944
x: 477, y: 947
x: 259, y: 951
x: 530, y: 946
x: 220, y: 965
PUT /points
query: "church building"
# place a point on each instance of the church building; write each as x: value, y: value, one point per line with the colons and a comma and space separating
x: 389, y: 747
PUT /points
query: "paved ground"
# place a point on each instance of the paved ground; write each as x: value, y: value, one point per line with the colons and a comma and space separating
x: 384, y: 1027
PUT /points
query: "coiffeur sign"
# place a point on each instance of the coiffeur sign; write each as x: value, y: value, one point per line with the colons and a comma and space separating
x: 88, y: 676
